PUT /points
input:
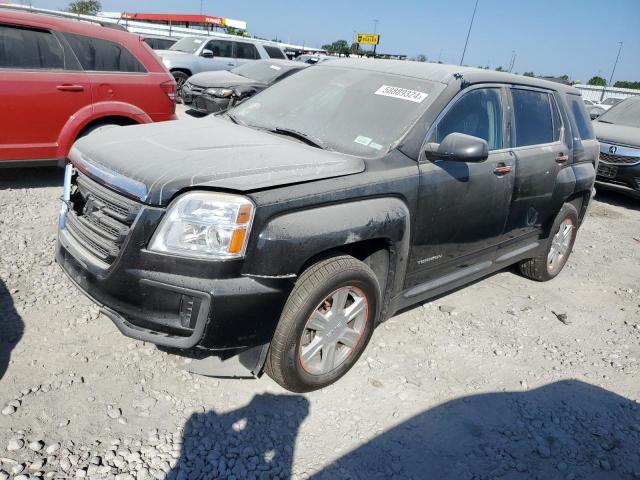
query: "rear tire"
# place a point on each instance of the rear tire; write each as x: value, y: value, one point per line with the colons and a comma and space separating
x: 558, y: 247
x: 325, y: 325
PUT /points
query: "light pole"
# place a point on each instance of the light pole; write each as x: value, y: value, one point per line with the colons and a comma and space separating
x: 469, y: 32
x: 200, y: 7
x: 612, y: 71
x: 375, y: 30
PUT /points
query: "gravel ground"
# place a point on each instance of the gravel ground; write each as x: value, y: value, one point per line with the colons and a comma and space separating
x: 506, y: 378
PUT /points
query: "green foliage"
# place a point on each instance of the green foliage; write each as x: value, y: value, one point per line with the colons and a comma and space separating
x: 529, y: 74
x: 598, y: 81
x: 500, y: 69
x: 85, y: 7
x: 421, y: 58
x: 626, y: 84
x: 341, y: 47
x: 237, y: 31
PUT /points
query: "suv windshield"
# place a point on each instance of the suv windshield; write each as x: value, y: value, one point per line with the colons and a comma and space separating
x: 188, y: 44
x: 625, y: 113
x: 352, y: 111
x: 264, y: 72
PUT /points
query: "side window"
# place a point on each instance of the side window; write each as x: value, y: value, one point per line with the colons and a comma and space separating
x: 581, y: 116
x: 477, y: 113
x: 29, y: 49
x: 557, y: 121
x: 220, y: 48
x: 247, y: 50
x: 274, y: 52
x: 95, y: 54
x: 533, y: 117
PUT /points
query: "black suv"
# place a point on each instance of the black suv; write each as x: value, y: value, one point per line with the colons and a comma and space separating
x: 285, y: 230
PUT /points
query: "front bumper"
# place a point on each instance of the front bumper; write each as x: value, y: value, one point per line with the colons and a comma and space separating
x: 620, y: 177
x: 204, y: 103
x: 174, y: 301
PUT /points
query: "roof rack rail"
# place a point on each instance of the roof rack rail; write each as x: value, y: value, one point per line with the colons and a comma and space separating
x: 69, y: 16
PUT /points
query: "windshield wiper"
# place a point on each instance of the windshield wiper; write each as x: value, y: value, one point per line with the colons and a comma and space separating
x: 234, y: 119
x: 309, y: 140
x: 604, y: 121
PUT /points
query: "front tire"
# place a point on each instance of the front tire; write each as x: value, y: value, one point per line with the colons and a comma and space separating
x: 559, y: 245
x: 325, y: 325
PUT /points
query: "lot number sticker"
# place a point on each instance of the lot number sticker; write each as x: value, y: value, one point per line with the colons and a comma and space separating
x: 402, y: 93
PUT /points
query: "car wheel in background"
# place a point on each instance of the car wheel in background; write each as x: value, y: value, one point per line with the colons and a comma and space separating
x: 558, y: 247
x: 180, y: 78
x: 326, y: 324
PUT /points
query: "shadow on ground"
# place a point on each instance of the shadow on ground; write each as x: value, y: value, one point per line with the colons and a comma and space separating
x: 618, y: 199
x: 565, y: 430
x: 255, y: 441
x: 11, y: 328
x: 33, y: 177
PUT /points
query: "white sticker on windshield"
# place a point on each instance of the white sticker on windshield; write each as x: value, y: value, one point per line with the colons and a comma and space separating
x: 362, y: 140
x: 402, y: 93
x: 375, y: 146
x: 275, y: 67
x: 196, y: 40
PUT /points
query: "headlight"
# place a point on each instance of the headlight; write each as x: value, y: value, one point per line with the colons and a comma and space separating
x: 219, y: 92
x: 205, y: 225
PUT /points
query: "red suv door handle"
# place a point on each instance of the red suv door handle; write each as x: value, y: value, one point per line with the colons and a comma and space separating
x: 561, y: 157
x: 502, y: 168
x: 70, y: 88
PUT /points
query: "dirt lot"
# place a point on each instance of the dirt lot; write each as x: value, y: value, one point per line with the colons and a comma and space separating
x: 506, y: 378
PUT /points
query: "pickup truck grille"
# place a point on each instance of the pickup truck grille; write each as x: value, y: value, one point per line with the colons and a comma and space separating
x: 618, y: 159
x: 99, y: 219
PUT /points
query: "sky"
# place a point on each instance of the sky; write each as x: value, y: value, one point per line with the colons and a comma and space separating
x: 549, y: 37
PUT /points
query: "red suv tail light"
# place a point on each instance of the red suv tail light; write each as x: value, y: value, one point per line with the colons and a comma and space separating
x: 169, y: 87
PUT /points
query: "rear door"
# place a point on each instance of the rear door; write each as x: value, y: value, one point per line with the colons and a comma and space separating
x: 540, y: 150
x: 115, y: 73
x: 463, y: 207
x: 42, y: 87
x: 245, y: 52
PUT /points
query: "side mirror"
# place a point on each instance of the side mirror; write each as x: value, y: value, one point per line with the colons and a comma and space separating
x: 206, y: 53
x: 594, y: 115
x: 458, y: 147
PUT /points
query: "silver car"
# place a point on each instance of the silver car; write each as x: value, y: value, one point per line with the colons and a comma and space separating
x: 191, y: 55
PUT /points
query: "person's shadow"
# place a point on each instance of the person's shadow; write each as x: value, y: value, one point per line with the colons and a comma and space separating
x: 256, y: 441
x: 11, y: 328
x: 564, y: 430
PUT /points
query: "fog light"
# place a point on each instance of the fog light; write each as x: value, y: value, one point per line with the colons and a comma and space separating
x: 187, y: 317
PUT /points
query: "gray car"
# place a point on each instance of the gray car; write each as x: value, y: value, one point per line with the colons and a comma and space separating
x: 212, y: 92
x: 618, y: 131
x: 191, y: 55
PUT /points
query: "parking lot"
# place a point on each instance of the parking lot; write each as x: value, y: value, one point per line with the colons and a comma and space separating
x: 506, y: 378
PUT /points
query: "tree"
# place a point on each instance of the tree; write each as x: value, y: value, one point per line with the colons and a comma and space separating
x: 500, y: 69
x: 625, y: 84
x: 421, y: 58
x: 85, y: 7
x: 341, y: 47
x: 598, y: 81
x: 529, y: 74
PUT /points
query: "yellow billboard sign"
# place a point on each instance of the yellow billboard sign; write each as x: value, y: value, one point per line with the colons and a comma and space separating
x: 367, y: 38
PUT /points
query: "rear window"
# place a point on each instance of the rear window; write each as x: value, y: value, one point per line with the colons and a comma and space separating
x: 29, y: 49
x: 247, y: 51
x: 275, y: 52
x: 583, y: 121
x: 534, y: 117
x: 100, y: 55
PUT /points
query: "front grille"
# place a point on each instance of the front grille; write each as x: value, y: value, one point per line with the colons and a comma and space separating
x: 99, y: 219
x: 618, y: 159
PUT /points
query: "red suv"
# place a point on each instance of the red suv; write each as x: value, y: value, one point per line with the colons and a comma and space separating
x: 61, y: 79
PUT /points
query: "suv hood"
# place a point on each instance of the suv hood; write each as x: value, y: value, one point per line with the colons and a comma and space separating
x: 619, y: 134
x: 220, y: 78
x: 153, y: 162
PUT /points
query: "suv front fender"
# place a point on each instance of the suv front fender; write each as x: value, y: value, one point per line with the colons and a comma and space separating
x: 286, y: 243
